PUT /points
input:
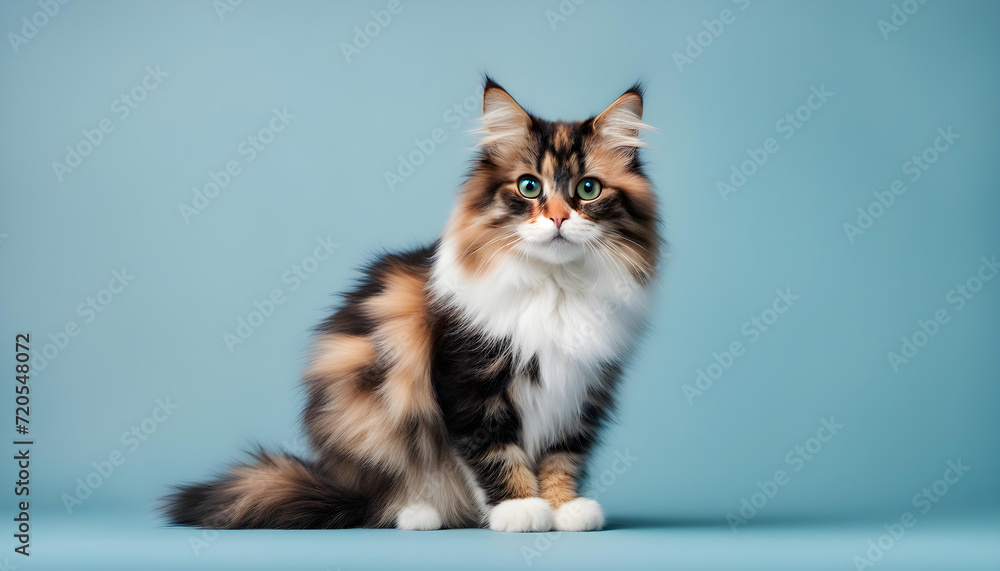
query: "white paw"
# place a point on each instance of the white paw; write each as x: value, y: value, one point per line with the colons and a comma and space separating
x: 418, y: 517
x: 581, y: 514
x: 528, y: 514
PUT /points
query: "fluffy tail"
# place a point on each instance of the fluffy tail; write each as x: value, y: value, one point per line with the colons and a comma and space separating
x: 273, y: 491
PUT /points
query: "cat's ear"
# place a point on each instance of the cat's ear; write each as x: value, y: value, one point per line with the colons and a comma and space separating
x: 618, y: 126
x: 504, y: 121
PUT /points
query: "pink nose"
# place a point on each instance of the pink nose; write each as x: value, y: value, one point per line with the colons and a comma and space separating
x: 558, y: 222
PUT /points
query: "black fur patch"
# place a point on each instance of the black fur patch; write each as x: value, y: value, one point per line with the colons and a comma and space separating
x: 534, y: 375
x: 516, y: 206
x: 349, y: 318
x: 611, y: 206
x: 373, y: 376
x: 471, y: 375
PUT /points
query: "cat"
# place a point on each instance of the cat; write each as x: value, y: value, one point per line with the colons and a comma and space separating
x: 466, y: 383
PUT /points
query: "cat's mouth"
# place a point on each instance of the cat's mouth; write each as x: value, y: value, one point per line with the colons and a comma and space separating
x: 555, y: 249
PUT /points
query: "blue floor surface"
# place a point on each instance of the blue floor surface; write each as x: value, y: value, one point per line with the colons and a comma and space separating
x: 110, y: 541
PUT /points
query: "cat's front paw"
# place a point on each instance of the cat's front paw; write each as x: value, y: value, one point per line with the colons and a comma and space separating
x: 418, y: 517
x: 581, y: 514
x: 528, y: 514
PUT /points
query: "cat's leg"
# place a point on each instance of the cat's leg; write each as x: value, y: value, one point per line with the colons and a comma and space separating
x: 434, y: 496
x: 510, y: 488
x: 513, y: 490
x: 558, y: 475
x: 473, y: 379
x: 561, y: 466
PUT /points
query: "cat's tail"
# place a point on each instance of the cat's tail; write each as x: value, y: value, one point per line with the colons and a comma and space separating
x: 272, y: 491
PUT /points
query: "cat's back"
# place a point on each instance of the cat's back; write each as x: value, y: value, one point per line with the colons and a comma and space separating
x: 369, y: 376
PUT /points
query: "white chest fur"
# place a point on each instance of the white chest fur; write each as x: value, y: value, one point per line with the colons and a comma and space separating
x: 572, y: 318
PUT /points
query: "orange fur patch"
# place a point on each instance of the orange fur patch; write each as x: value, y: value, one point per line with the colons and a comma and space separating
x: 404, y: 337
x: 480, y: 245
x: 260, y: 488
x: 557, y: 478
x: 336, y: 356
x: 520, y: 480
x: 353, y: 420
x: 563, y: 137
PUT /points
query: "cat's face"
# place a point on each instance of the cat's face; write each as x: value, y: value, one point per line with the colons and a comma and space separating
x: 558, y: 192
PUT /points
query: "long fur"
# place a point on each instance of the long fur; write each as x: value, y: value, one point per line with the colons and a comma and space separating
x: 466, y: 383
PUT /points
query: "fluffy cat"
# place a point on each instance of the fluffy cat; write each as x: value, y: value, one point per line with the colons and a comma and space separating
x: 465, y: 383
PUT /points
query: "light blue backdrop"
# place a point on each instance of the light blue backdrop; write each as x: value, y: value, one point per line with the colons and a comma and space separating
x: 309, y: 113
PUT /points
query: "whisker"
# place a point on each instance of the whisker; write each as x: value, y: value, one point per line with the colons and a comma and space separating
x: 620, y: 250
x: 623, y: 237
x: 501, y: 237
x: 482, y: 266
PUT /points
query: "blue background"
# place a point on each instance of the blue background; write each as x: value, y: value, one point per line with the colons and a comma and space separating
x: 324, y: 177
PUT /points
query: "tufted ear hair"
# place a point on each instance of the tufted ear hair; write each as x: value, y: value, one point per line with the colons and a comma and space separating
x: 619, y: 125
x: 504, y: 122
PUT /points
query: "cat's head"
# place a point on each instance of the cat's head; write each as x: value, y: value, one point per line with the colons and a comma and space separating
x: 557, y: 192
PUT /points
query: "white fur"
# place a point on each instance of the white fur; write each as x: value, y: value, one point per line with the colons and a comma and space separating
x: 528, y: 514
x: 418, y: 517
x: 580, y: 514
x: 560, y: 301
x: 504, y: 123
x: 621, y: 123
x: 478, y: 494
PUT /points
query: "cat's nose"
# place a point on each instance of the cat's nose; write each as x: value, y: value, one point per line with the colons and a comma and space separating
x: 558, y: 222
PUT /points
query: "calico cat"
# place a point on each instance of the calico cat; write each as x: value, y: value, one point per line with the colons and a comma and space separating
x: 465, y: 383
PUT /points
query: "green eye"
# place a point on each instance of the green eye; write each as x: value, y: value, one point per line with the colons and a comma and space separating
x: 588, y: 188
x: 529, y: 187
